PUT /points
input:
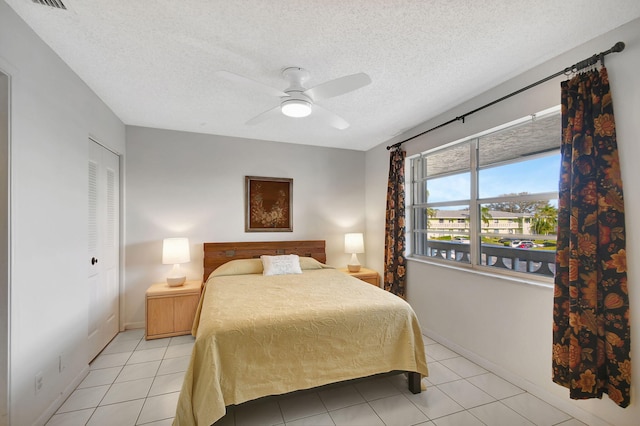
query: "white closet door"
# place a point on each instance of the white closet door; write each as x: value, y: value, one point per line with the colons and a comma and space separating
x: 103, y: 249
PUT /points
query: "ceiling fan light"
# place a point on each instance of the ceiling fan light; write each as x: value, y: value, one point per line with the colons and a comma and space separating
x: 296, y: 108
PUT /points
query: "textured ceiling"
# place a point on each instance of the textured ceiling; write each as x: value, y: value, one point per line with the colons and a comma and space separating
x: 154, y: 62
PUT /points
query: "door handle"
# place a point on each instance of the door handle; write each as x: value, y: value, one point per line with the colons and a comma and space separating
x: 94, y: 260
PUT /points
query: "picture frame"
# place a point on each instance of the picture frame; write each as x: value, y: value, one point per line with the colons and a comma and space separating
x: 268, y: 204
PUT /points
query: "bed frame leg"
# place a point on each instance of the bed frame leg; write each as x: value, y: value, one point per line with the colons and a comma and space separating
x: 414, y: 382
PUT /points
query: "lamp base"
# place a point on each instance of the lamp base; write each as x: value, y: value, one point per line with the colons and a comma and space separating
x: 176, y: 281
x: 353, y: 268
x: 354, y: 264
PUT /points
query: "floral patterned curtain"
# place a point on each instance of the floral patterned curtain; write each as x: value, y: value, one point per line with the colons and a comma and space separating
x: 394, y: 261
x: 591, y: 345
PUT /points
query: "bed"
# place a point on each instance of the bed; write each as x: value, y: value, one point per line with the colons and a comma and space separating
x: 260, y: 335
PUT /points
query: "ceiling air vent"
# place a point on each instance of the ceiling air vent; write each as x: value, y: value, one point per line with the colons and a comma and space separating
x: 53, y: 3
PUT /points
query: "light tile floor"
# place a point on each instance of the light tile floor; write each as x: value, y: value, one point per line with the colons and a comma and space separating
x: 137, y: 382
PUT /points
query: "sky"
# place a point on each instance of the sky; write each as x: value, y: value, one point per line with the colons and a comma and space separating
x: 532, y: 176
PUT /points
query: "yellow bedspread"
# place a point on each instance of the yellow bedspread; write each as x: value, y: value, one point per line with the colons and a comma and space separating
x: 259, y: 336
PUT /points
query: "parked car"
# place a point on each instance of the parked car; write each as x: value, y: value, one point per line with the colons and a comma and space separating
x: 526, y: 244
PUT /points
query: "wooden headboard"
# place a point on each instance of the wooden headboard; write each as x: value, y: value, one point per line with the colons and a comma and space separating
x: 216, y: 254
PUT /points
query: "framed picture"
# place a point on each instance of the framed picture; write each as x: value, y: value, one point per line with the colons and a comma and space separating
x: 268, y: 204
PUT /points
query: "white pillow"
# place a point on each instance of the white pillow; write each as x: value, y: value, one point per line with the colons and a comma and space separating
x: 281, y: 265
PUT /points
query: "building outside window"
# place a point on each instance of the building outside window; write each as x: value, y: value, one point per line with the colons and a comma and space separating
x: 498, y: 191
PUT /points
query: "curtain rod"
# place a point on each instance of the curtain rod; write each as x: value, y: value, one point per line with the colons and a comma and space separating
x: 618, y: 47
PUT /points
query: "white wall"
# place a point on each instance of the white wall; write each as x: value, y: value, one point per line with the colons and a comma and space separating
x: 4, y: 246
x: 377, y: 178
x: 192, y: 185
x: 504, y: 324
x: 53, y: 113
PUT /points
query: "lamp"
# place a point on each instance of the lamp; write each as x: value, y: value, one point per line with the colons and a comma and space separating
x: 174, y: 252
x: 296, y: 108
x: 353, y: 243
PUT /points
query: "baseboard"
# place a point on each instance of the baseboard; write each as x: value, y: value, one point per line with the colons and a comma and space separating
x: 133, y: 325
x: 57, y: 403
x: 535, y: 390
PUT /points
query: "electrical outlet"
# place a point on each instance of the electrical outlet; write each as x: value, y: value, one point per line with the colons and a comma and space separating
x: 39, y: 381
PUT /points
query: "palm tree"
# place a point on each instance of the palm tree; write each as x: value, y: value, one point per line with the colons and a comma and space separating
x: 545, y: 220
x: 485, y: 216
x: 431, y: 212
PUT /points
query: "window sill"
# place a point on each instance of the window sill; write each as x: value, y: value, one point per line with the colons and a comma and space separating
x: 515, y: 277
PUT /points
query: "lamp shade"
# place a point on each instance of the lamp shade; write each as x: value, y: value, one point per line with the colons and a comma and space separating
x: 175, y: 250
x: 353, y: 243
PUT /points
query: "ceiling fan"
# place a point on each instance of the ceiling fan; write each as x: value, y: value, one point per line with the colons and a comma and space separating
x: 298, y: 101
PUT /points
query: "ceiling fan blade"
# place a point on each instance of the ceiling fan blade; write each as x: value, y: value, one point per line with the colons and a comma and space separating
x: 331, y: 118
x: 250, y: 83
x: 270, y: 113
x: 338, y: 86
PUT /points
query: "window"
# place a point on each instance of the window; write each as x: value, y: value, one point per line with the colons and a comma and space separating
x: 494, y: 189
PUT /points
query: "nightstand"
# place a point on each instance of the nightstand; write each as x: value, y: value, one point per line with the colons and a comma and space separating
x: 364, y: 274
x: 170, y: 310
